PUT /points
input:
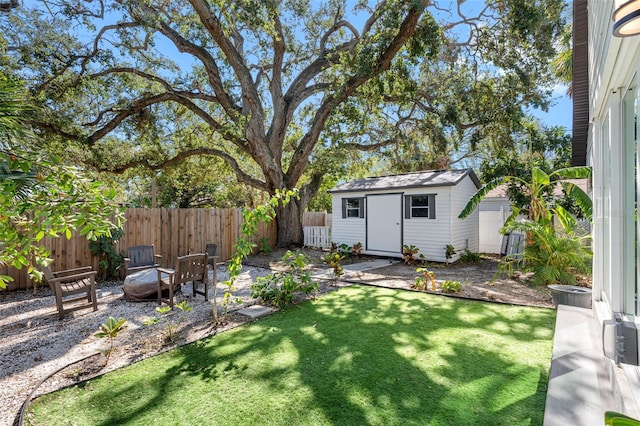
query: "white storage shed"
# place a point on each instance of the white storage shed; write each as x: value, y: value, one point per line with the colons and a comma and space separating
x: 421, y: 209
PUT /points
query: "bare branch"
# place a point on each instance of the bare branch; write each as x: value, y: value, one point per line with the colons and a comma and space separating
x: 177, y: 159
x: 251, y: 97
x: 370, y: 147
x: 405, y: 32
x: 336, y: 26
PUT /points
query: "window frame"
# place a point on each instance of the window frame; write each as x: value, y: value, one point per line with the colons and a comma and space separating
x: 346, y: 209
x: 430, y: 207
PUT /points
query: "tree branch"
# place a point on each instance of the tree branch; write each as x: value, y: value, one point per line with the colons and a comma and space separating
x: 242, y: 176
x: 405, y: 32
x: 250, y: 93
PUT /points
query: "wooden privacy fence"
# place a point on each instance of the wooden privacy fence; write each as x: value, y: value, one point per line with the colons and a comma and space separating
x: 173, y: 232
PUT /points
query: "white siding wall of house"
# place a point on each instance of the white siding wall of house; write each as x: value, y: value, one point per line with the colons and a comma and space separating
x: 613, y: 151
x: 431, y: 235
x: 350, y: 230
x: 389, y: 222
x: 464, y: 232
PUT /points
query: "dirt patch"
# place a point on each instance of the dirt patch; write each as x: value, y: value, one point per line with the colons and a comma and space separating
x: 481, y: 280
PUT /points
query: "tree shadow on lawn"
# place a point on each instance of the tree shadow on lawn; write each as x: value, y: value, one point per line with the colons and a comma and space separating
x: 360, y: 355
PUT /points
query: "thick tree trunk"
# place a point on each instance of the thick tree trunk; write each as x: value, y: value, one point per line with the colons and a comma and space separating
x: 289, y: 222
x: 289, y: 218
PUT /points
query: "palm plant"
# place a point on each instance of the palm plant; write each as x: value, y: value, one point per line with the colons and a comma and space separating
x: 553, y: 257
x: 536, y: 189
x: 14, y: 175
x: 13, y: 107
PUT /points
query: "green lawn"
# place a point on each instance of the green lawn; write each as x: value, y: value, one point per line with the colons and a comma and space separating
x: 357, y: 356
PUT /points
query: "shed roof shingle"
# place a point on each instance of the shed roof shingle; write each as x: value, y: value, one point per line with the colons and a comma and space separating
x: 429, y: 178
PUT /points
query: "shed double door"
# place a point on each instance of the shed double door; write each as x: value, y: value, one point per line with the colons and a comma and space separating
x: 384, y: 223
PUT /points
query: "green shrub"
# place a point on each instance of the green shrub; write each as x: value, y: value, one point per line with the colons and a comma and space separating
x: 342, y: 249
x: 280, y: 288
x: 265, y: 248
x: 450, y: 286
x: 104, y: 247
x: 468, y: 256
x: 171, y: 324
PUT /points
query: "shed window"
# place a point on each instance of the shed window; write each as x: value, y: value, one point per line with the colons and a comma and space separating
x: 353, y: 207
x: 423, y: 205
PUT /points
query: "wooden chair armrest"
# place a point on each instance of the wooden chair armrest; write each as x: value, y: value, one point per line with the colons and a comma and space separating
x: 71, y: 271
x: 167, y: 271
x: 74, y: 277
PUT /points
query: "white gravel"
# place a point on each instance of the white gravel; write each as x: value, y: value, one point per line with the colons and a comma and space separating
x: 34, y: 343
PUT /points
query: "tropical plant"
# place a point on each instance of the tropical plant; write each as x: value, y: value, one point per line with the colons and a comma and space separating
x: 104, y: 247
x: 110, y: 330
x: 537, y: 189
x: 333, y: 260
x: 450, y: 286
x: 409, y: 254
x: 426, y: 278
x: 171, y: 324
x: 555, y: 258
x: 342, y: 249
x: 280, y: 288
x: 449, y: 251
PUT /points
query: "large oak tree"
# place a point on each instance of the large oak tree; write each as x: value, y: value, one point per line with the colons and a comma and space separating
x: 275, y: 88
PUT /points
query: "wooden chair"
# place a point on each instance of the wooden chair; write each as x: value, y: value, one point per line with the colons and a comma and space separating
x: 212, y: 250
x: 140, y: 258
x: 71, y: 282
x: 190, y: 268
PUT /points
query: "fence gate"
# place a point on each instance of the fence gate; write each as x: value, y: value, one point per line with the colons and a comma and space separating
x: 317, y: 236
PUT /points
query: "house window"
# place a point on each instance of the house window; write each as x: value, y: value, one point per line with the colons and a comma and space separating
x: 423, y: 205
x: 353, y: 207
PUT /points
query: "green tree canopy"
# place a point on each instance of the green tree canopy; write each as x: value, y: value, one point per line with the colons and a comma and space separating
x: 276, y: 87
x: 40, y: 197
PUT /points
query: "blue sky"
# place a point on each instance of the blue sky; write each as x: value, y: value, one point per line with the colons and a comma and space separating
x: 561, y: 111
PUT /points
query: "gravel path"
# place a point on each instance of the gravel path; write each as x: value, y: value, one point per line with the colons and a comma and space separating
x: 34, y: 342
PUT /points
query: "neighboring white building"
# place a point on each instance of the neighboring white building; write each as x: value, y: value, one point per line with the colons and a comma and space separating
x: 494, y: 210
x: 384, y: 213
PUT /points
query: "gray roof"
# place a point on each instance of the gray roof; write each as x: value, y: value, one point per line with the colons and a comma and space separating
x: 428, y: 178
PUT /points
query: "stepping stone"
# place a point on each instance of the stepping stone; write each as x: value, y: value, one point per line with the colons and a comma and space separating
x: 368, y: 265
x: 256, y: 311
